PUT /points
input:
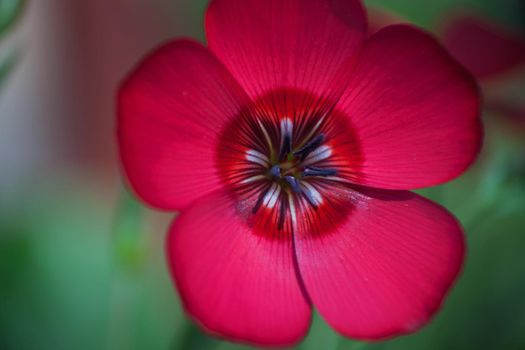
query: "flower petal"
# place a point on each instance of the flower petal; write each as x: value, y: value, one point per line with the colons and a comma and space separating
x: 171, y: 110
x: 386, y: 270
x: 309, y: 45
x: 235, y: 283
x: 415, y: 110
x: 483, y: 47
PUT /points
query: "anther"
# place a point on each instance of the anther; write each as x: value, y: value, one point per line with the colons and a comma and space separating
x: 304, y: 151
x: 286, y: 135
x: 314, y: 171
x: 294, y: 184
x: 275, y: 172
x: 257, y: 157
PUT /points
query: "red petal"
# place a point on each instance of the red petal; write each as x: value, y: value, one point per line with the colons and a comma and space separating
x: 308, y: 45
x: 236, y: 284
x: 245, y: 178
x: 385, y: 271
x: 484, y: 48
x: 415, y: 110
x: 171, y: 110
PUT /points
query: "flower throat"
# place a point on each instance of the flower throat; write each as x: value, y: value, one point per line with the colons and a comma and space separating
x: 286, y: 163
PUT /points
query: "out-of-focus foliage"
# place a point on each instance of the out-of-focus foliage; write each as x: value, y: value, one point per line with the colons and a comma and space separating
x: 5, y: 67
x: 10, y: 11
x: 429, y: 13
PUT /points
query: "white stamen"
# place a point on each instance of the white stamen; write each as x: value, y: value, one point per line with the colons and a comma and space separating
x: 270, y: 199
x: 319, y: 154
x: 266, y: 136
x: 312, y: 193
x: 314, y: 129
x: 257, y: 157
x: 286, y: 127
x: 318, y: 123
x: 253, y: 179
x: 336, y: 178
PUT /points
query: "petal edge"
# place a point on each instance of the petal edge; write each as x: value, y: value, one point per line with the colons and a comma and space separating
x: 388, y: 269
x: 416, y: 111
x: 234, y: 283
x: 170, y: 111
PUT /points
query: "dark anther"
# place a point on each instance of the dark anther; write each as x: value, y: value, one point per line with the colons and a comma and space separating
x: 260, y: 200
x: 287, y: 146
x: 294, y: 184
x: 275, y: 172
x: 304, y: 151
x: 314, y: 171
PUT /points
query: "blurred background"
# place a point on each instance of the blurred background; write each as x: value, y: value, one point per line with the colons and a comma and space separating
x: 82, y: 263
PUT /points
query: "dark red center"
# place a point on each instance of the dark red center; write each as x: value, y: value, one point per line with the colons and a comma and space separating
x: 287, y: 160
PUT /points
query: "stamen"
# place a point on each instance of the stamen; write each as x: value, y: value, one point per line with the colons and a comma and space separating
x: 319, y: 154
x: 311, y: 194
x: 314, y: 171
x: 286, y: 147
x: 314, y: 129
x: 260, y: 200
x: 270, y: 199
x: 286, y: 137
x: 253, y: 179
x: 266, y: 136
x: 294, y: 184
x: 257, y: 157
x: 313, y: 144
x: 284, y: 173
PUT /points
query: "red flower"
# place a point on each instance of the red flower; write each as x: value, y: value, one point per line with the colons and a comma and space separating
x: 496, y: 56
x: 288, y: 144
x: 486, y: 49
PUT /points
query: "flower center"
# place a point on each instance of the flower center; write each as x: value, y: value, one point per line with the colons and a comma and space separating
x: 289, y: 168
x: 287, y: 163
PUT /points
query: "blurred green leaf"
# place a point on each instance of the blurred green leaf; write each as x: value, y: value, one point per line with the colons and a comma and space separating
x: 320, y: 336
x: 431, y: 13
x: 10, y: 11
x: 128, y: 247
x: 6, y: 66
